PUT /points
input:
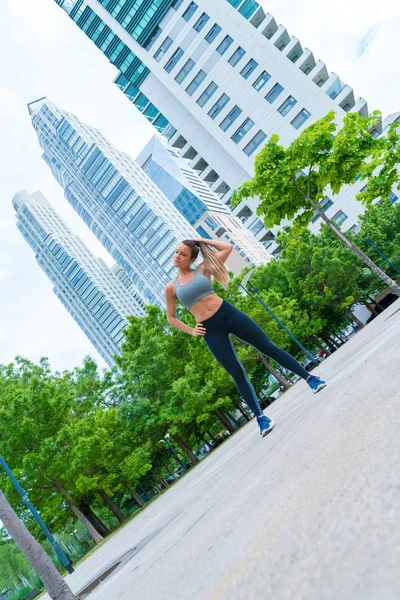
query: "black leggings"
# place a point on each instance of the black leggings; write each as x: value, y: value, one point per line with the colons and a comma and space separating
x: 229, y: 319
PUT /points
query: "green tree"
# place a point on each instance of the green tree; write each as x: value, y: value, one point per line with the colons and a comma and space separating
x: 291, y: 182
x: 42, y: 405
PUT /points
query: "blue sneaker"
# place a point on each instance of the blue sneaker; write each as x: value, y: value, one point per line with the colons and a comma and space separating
x: 315, y: 383
x: 265, y: 424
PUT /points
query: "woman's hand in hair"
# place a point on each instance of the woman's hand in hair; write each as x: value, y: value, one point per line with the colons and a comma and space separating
x: 199, y: 330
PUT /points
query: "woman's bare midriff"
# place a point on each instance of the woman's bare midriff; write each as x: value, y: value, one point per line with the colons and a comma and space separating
x: 206, y: 307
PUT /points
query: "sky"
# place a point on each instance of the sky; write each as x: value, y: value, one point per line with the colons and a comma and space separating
x: 45, y: 54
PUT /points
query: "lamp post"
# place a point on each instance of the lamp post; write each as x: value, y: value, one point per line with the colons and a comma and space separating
x: 364, y: 237
x: 56, y: 547
x: 254, y: 294
x: 175, y: 455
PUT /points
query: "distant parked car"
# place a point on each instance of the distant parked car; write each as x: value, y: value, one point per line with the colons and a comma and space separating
x: 266, y: 401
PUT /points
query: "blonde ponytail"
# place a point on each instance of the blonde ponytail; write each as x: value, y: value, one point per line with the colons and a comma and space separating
x: 212, y: 263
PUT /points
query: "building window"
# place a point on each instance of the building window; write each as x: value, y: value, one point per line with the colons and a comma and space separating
x: 392, y: 197
x: 243, y: 129
x: 325, y: 203
x: 230, y: 118
x: 274, y: 93
x: 212, y: 34
x: 141, y: 102
x: 218, y: 106
x: 160, y: 123
x: 198, y: 26
x: 287, y: 106
x: 176, y: 4
x: 183, y: 73
x: 236, y: 57
x: 194, y: 84
x: 300, y: 119
x: 254, y: 143
x: 249, y: 68
x: 173, y: 60
x: 224, y: 45
x: 189, y: 12
x: 206, y: 95
x: 261, y: 81
x: 334, y: 90
x: 163, y: 49
x: 256, y: 227
x: 339, y: 218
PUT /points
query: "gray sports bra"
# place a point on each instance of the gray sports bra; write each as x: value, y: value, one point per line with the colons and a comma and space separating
x: 190, y: 293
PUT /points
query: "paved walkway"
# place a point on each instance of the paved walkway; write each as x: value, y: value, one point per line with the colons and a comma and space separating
x: 311, y: 512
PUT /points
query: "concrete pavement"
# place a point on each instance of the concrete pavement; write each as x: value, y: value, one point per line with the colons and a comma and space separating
x: 311, y: 512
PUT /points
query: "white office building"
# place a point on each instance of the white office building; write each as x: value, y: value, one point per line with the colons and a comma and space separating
x: 134, y: 221
x: 203, y: 208
x: 217, y: 79
x: 88, y: 289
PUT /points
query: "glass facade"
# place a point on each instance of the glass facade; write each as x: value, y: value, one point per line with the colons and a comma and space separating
x: 179, y: 184
x: 123, y: 208
x: 89, y: 290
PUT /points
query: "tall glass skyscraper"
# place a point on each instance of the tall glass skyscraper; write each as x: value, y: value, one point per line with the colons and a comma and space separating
x: 126, y: 211
x: 216, y: 79
x: 200, y: 205
x: 88, y: 289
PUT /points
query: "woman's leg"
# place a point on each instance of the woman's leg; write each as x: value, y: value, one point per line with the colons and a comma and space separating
x: 223, y: 350
x: 243, y: 327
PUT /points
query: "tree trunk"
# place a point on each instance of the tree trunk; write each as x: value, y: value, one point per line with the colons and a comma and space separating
x: 338, y: 340
x: 34, y: 553
x: 183, y: 445
x: 158, y: 488
x: 370, y: 263
x: 246, y: 416
x: 274, y: 372
x: 211, y: 435
x: 320, y: 346
x: 378, y: 307
x: 206, y: 443
x: 111, y: 505
x: 134, y: 494
x: 353, y: 317
x: 372, y: 309
x: 146, y: 497
x: 93, y: 518
x: 235, y: 421
x: 332, y: 347
x: 97, y: 538
x: 170, y: 472
x: 225, y: 421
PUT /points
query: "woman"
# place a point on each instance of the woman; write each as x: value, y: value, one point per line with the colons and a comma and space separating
x: 216, y: 319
